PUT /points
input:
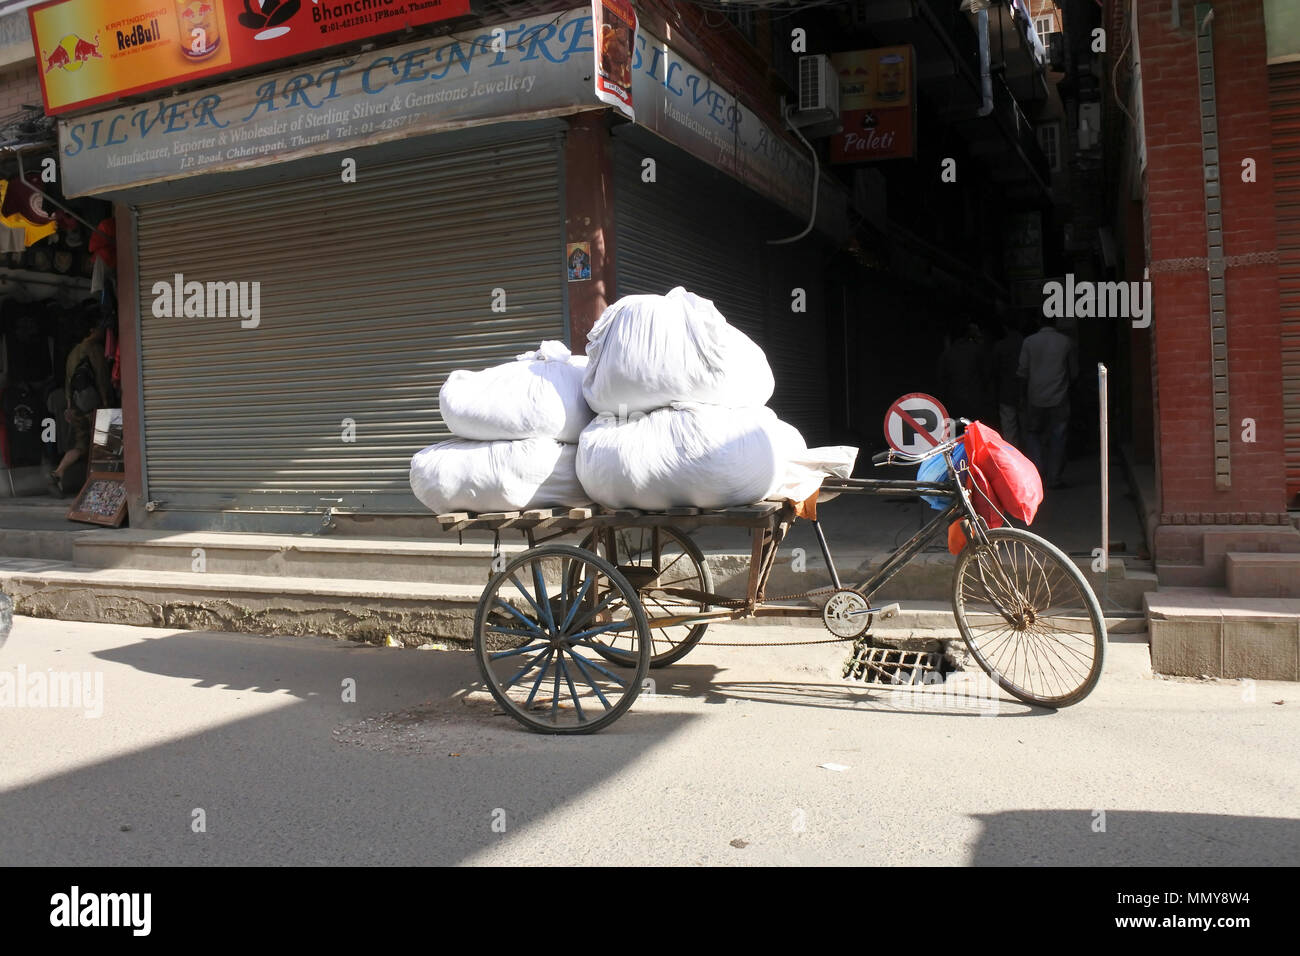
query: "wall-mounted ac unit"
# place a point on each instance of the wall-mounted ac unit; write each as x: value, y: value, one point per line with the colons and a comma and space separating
x: 819, y: 92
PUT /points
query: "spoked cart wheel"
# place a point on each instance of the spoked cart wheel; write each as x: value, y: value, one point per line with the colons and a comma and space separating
x: 540, y: 635
x: 660, y: 563
x: 1029, y: 617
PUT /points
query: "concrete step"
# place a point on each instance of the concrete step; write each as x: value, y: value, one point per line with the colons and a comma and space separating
x: 428, y: 560
x: 36, y: 543
x: 1207, y: 631
x: 413, y: 613
x: 1252, y: 574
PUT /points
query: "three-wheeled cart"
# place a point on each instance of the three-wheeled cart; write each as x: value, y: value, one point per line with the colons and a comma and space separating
x: 564, y: 635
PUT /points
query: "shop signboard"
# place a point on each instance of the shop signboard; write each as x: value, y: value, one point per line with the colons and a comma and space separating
x: 537, y: 67
x: 877, y: 105
x: 615, y: 32
x: 679, y: 102
x: 91, y: 51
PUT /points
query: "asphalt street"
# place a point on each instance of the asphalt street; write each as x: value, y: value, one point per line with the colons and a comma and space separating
x: 213, y: 748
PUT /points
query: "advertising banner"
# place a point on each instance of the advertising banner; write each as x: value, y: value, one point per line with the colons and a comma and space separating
x: 877, y: 105
x: 615, y: 29
x: 95, y: 50
x: 542, y: 67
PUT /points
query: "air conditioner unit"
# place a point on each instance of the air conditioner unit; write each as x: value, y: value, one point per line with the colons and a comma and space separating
x: 819, y: 92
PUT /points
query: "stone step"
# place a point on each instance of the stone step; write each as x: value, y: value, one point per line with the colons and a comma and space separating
x: 1198, y: 632
x: 428, y: 561
x: 37, y: 543
x: 1255, y: 574
x: 412, y: 612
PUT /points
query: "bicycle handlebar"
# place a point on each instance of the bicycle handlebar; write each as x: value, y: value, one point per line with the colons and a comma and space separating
x: 890, y: 456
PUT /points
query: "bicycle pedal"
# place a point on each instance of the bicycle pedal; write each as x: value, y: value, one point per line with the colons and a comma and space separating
x: 886, y: 612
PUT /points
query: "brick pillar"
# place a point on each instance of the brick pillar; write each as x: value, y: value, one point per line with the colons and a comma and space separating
x: 1176, y: 234
x: 589, y: 217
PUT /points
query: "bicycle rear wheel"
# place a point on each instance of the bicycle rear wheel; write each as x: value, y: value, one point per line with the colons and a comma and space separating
x: 1029, y: 618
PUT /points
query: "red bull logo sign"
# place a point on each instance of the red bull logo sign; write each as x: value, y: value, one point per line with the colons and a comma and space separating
x: 70, y: 53
x: 153, y: 44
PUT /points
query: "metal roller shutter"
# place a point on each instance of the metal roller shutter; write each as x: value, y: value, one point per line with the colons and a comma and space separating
x: 696, y: 227
x: 1284, y: 83
x: 371, y: 294
x: 690, y: 228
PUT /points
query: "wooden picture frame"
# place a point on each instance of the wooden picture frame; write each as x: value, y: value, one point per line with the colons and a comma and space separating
x: 102, y: 499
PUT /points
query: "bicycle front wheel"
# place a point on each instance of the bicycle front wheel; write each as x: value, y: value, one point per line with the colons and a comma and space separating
x: 1029, y: 618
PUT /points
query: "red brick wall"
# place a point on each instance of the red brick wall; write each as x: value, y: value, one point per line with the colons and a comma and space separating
x: 19, y: 87
x: 1175, y: 228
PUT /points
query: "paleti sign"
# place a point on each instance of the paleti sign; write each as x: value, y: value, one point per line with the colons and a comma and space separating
x: 90, y: 51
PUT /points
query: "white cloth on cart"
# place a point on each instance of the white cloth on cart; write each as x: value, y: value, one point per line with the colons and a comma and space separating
x: 648, y: 351
x: 688, y: 454
x: 539, y: 395
x: 479, y: 476
x: 805, y: 472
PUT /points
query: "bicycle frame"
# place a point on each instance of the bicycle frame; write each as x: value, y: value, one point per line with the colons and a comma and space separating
x: 960, y: 506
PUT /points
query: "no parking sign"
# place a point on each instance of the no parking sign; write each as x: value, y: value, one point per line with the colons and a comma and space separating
x: 915, y: 423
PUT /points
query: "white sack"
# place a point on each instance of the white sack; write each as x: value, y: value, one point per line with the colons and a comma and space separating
x: 704, y: 456
x: 804, y: 472
x: 539, y: 395
x: 648, y: 351
x: 480, y: 476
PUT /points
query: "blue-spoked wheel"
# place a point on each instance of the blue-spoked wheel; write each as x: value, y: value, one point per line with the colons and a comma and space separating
x: 541, y: 632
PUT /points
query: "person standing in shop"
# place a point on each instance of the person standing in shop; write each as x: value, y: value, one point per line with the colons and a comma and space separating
x: 85, y: 385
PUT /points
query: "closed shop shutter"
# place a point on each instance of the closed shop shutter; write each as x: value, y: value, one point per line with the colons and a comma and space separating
x: 371, y: 293
x: 1284, y: 83
x: 697, y: 227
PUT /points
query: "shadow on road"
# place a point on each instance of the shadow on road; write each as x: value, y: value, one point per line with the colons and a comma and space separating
x: 417, y: 771
x: 1134, y: 838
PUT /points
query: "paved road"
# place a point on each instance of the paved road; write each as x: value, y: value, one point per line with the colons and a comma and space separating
x: 722, y: 766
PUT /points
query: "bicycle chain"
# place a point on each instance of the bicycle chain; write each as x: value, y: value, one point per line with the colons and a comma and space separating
x: 781, y: 597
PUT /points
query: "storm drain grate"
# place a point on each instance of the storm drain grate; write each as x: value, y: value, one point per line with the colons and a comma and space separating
x: 887, y: 665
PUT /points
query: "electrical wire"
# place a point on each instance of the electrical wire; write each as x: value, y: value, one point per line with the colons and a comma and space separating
x: 816, y: 181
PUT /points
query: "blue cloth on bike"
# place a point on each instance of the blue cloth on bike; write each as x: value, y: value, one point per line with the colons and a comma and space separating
x: 936, y: 469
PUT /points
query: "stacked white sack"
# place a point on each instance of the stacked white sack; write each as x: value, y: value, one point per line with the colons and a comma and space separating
x: 479, y: 476
x: 648, y: 351
x: 707, y: 440
x: 539, y: 395
x: 515, y: 425
x: 705, y: 456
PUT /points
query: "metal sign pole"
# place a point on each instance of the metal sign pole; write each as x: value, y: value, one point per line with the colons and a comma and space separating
x: 1103, y: 413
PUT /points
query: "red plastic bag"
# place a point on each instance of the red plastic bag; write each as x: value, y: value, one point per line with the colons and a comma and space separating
x: 1016, y: 486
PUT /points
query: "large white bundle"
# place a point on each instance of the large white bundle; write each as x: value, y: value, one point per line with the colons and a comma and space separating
x: 648, y: 351
x: 705, y: 456
x: 539, y: 395
x: 460, y: 475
